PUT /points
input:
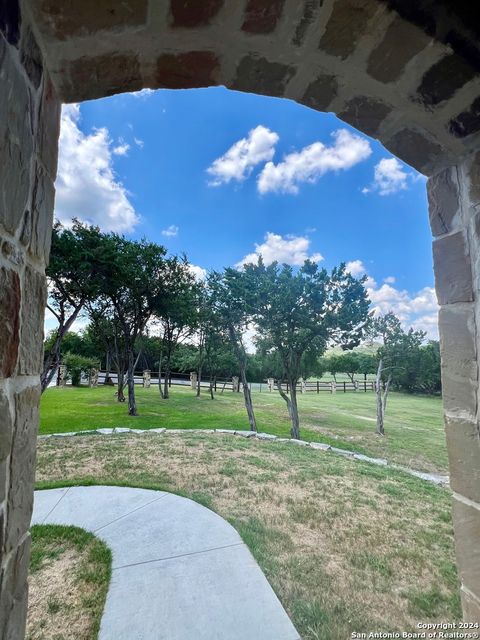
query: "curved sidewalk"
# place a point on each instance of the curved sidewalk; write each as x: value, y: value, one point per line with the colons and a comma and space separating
x: 179, y: 571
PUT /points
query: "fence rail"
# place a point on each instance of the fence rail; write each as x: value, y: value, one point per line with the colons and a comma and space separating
x: 219, y: 386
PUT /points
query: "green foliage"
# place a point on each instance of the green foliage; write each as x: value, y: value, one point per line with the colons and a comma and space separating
x: 412, y: 364
x: 77, y: 366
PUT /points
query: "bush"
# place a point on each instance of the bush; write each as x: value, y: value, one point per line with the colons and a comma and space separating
x: 78, y: 365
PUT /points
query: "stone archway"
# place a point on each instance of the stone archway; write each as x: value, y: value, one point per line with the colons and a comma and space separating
x: 403, y: 71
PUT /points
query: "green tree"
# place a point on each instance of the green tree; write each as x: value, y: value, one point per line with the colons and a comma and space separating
x: 398, y: 360
x: 73, y: 281
x: 230, y: 295
x: 299, y: 312
x: 176, y: 314
x: 133, y: 275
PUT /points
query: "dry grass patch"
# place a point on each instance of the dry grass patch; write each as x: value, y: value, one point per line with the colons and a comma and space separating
x: 346, y: 545
x: 68, y: 583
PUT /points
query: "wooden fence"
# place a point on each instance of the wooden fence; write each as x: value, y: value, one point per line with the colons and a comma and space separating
x: 219, y: 386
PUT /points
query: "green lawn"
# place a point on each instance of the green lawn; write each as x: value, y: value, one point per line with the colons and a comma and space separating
x: 347, y: 546
x: 414, y: 425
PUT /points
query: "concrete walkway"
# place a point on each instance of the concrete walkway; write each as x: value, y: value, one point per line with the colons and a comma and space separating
x: 179, y: 571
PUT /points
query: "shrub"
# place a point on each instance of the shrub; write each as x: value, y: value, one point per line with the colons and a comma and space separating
x: 78, y: 365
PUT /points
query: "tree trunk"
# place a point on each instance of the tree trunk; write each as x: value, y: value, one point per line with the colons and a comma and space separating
x: 199, y: 380
x: 52, y: 361
x: 108, y: 366
x: 385, y: 393
x: 291, y: 406
x: 247, y: 397
x: 212, y: 397
x: 120, y: 385
x: 241, y: 358
x: 293, y: 410
x: 160, y: 376
x: 166, y: 393
x: 380, y: 409
x: 132, y: 406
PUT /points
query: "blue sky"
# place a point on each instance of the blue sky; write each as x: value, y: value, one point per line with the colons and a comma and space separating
x: 223, y: 175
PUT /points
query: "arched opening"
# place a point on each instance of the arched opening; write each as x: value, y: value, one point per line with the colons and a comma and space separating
x: 404, y: 74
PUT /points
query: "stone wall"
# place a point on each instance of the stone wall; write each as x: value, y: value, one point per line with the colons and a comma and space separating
x: 29, y: 121
x: 454, y: 206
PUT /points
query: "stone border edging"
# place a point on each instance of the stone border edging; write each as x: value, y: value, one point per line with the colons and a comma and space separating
x: 437, y: 479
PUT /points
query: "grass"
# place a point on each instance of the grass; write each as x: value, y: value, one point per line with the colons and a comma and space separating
x: 414, y: 424
x: 69, y: 576
x: 346, y: 546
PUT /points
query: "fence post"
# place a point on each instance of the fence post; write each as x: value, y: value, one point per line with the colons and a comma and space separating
x: 170, y: 380
x: 93, y: 377
x: 62, y: 375
x: 193, y: 379
x: 146, y: 379
x: 344, y: 387
x: 333, y: 387
x: 235, y: 384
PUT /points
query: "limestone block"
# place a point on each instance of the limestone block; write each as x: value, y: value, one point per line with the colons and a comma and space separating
x: 10, y: 299
x: 16, y: 144
x: 191, y: 13
x: 31, y: 334
x: 365, y: 114
x: 14, y: 591
x: 402, y: 41
x: 453, y: 272
x: 463, y: 442
x: 6, y: 430
x: 459, y: 367
x: 49, y: 127
x: 320, y: 93
x: 62, y: 19
x: 467, y: 122
x: 466, y: 520
x: 30, y: 57
x: 444, y: 78
x: 22, y: 466
x: 347, y: 23
x: 187, y: 70
x: 414, y: 148
x: 474, y: 179
x: 257, y: 74
x: 261, y: 16
x: 443, y: 202
x: 37, y: 229
x: 87, y: 78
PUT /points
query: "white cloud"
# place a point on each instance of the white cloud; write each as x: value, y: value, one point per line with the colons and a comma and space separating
x: 143, y: 93
x: 122, y: 148
x: 312, y: 162
x: 170, y: 231
x: 389, y: 177
x: 199, y: 272
x: 139, y: 142
x: 238, y: 162
x: 289, y: 249
x: 389, y: 280
x: 418, y: 310
x: 87, y: 187
x: 356, y: 267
